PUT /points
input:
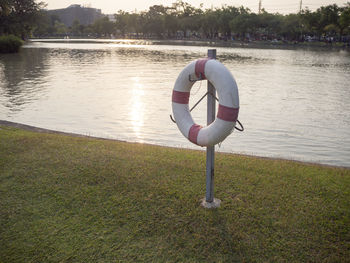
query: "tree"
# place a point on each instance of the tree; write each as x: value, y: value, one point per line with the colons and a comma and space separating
x: 76, y: 28
x: 121, y: 21
x: 310, y: 20
x: 60, y: 28
x: 155, y: 20
x: 225, y: 15
x: 291, y: 29
x: 344, y: 20
x: 43, y: 24
x: 134, y: 23
x: 210, y: 24
x: 170, y: 24
x: 19, y: 17
x: 244, y: 24
x: 104, y: 27
x: 267, y: 24
x: 166, y: 21
x: 329, y: 18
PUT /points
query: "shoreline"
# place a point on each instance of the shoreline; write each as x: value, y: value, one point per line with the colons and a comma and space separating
x: 202, y: 42
x: 43, y: 130
x: 83, y: 199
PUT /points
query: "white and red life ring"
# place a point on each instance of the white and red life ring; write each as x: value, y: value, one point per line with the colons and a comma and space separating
x: 227, y: 90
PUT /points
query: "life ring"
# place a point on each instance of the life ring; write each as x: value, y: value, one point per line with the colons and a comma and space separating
x: 228, y: 109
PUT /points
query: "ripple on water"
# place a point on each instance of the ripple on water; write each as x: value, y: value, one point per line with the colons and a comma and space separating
x: 294, y: 103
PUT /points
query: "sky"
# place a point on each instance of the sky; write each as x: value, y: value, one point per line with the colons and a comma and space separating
x: 272, y: 6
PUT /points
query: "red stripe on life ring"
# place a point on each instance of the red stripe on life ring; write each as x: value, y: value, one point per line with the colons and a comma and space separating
x: 193, y: 133
x: 180, y: 97
x: 199, y: 68
x: 227, y: 113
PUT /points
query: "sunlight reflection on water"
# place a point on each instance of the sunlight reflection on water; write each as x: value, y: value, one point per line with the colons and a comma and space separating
x: 294, y: 103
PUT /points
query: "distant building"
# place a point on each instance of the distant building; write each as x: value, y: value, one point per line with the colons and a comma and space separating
x: 85, y: 15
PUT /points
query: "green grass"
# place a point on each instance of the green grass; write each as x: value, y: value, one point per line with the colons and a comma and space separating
x: 10, y: 44
x: 74, y: 199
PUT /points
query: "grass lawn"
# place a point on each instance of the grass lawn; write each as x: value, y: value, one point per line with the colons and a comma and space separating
x: 76, y: 199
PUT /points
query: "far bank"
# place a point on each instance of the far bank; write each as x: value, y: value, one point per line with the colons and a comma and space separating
x: 316, y: 45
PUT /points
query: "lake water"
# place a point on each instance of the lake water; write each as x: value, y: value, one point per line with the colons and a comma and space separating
x: 295, y: 104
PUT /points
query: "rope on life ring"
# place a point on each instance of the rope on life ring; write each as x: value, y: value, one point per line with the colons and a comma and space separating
x: 228, y: 109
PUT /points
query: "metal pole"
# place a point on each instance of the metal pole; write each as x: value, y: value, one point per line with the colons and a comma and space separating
x: 210, y: 201
x: 209, y: 197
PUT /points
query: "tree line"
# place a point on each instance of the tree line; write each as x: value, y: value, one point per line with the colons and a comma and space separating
x: 182, y: 20
x: 19, y: 17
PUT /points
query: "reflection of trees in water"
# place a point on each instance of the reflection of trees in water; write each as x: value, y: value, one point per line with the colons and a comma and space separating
x: 78, y: 57
x: 22, y: 77
x: 27, y: 76
x: 180, y: 56
x: 155, y: 55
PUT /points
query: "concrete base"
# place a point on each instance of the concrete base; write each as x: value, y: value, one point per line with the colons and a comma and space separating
x: 214, y: 204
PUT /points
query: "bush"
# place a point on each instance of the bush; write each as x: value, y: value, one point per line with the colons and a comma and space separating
x: 10, y: 44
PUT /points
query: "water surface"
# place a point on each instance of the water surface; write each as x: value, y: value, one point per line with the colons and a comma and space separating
x: 294, y: 103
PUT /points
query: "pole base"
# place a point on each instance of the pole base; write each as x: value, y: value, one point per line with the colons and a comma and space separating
x: 215, y: 204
